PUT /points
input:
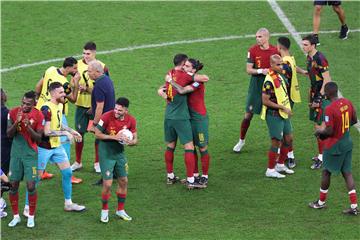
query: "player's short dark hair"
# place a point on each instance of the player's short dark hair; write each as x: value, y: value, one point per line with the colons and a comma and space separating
x: 284, y: 41
x: 196, y: 64
x: 179, y: 58
x: 30, y: 94
x: 331, y: 87
x: 310, y: 38
x: 123, y: 101
x: 90, y: 46
x: 69, y: 62
x: 54, y: 85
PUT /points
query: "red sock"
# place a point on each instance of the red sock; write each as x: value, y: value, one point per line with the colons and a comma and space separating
x: 320, y: 145
x: 78, y: 150
x: 14, y: 201
x: 189, y: 163
x: 96, y: 152
x: 196, y: 162
x: 353, y: 197
x: 121, y: 201
x: 323, y: 195
x: 169, y: 160
x: 32, y: 203
x: 245, y: 124
x: 291, y: 149
x: 205, y: 162
x: 272, y: 156
x: 283, y: 154
x: 105, y: 201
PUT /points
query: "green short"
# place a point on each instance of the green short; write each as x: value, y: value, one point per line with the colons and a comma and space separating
x: 338, y: 158
x: 254, y: 96
x: 23, y: 168
x: 200, y: 129
x: 118, y: 166
x: 178, y: 128
x: 317, y: 115
x: 82, y: 119
x: 278, y: 126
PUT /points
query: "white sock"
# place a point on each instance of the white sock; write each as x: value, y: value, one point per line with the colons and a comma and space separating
x: 320, y: 157
x: 31, y: 217
x: 170, y: 175
x: 16, y: 216
x: 26, y: 207
x: 196, y: 174
x: 241, y: 140
x: 321, y: 202
x: 353, y: 205
x: 68, y: 202
x: 291, y: 154
x: 205, y: 176
x: 190, y: 179
x: 280, y: 165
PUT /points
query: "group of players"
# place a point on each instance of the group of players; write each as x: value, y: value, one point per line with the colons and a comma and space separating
x: 40, y: 133
x: 273, y: 90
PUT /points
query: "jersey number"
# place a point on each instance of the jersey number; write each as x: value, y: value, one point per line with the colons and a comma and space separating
x: 345, y: 121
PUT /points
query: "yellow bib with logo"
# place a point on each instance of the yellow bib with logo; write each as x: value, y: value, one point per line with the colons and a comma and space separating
x: 281, y: 94
x: 55, y: 123
x: 294, y: 88
x: 84, y: 98
x: 51, y: 75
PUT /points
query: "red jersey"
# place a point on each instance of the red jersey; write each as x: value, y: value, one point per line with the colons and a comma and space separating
x: 36, y: 121
x: 112, y: 125
x: 196, y: 99
x: 260, y: 57
x: 180, y: 77
x: 339, y: 115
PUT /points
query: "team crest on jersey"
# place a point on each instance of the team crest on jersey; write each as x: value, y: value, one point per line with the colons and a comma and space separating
x: 326, y: 118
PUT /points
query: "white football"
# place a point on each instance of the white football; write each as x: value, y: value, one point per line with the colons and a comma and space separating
x: 128, y: 134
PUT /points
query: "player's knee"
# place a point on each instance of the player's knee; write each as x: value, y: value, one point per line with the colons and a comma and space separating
x: 337, y: 9
x: 123, y: 181
x: 31, y: 187
x: 317, y: 9
x: 14, y: 187
x: 66, y: 173
x: 189, y: 146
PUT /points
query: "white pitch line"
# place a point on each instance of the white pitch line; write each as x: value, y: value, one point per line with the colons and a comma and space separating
x: 296, y: 35
x: 156, y: 45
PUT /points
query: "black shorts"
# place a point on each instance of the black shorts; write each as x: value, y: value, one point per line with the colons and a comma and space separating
x: 330, y: 3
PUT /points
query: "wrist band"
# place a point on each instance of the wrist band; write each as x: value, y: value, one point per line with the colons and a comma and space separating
x: 259, y: 71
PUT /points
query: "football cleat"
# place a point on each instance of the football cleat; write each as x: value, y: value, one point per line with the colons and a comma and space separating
x: 351, y: 211
x: 14, y: 222
x: 194, y: 185
x: 3, y: 214
x: 170, y: 181
x: 344, y: 32
x: 75, y: 180
x: 123, y: 215
x: 291, y: 162
x: 104, y: 216
x: 76, y: 166
x: 46, y: 175
x: 315, y: 204
x: 203, y: 181
x: 273, y: 174
x: 74, y: 207
x: 317, y: 163
x: 237, y: 148
x: 30, y: 222
x: 283, y: 168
